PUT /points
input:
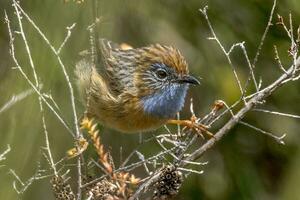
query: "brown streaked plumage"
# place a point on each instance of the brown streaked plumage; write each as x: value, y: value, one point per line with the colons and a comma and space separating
x: 134, y: 90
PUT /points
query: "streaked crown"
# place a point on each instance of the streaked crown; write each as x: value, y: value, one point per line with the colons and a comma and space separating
x: 166, y: 55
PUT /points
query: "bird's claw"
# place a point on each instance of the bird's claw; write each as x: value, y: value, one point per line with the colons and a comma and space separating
x: 200, y: 129
x: 192, y: 124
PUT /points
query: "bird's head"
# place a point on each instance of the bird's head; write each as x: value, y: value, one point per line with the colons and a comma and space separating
x: 162, y: 79
x: 157, y: 75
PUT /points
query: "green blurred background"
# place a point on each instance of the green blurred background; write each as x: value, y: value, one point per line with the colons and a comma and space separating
x: 244, y: 165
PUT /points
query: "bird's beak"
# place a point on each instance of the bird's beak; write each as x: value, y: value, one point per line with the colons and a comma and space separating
x: 189, y: 79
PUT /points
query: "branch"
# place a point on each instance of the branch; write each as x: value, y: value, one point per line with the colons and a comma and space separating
x: 261, y: 96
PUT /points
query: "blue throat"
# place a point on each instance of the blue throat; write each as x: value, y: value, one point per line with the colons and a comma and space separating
x: 166, y: 102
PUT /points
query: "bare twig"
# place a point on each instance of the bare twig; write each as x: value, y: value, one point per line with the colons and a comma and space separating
x: 259, y: 97
x: 37, y: 85
x: 263, y: 38
x: 277, y: 58
x: 21, y: 186
x: 227, y: 53
x: 278, y: 113
x: 71, y: 90
x: 69, y: 31
x: 15, y: 98
x: 32, y: 85
x: 276, y: 138
x: 4, y: 153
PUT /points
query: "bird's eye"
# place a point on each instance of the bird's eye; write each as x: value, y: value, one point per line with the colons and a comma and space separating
x: 161, y: 74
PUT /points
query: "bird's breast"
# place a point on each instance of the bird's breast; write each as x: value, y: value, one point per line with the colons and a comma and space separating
x: 166, y: 102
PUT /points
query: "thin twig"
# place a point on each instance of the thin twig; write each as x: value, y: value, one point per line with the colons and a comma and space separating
x: 61, y: 64
x: 16, y: 98
x: 204, y: 12
x: 259, y: 97
x: 276, y: 138
x: 263, y: 38
x: 69, y: 31
x: 277, y: 58
x: 4, y: 153
x: 71, y: 90
x: 37, y: 84
x: 18, y: 66
x: 278, y: 113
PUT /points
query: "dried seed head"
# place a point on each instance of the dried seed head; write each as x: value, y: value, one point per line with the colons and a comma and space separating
x: 61, y: 189
x: 103, y: 190
x: 168, y: 184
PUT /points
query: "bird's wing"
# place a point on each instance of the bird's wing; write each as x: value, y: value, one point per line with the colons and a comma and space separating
x: 118, y: 65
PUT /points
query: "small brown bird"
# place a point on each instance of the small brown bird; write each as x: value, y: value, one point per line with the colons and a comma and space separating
x: 135, y: 89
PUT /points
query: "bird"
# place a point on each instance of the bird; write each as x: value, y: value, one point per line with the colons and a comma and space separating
x: 134, y: 90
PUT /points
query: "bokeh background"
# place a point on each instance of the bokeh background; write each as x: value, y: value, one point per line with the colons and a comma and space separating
x: 244, y: 165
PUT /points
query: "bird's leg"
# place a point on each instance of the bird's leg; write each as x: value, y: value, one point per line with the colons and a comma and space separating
x: 192, y: 124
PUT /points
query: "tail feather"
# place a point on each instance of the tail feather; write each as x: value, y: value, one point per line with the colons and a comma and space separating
x: 83, y: 73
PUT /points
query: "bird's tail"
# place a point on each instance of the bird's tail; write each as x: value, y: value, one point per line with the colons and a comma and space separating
x: 83, y: 72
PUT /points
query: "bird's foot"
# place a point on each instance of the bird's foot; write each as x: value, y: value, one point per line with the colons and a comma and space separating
x: 192, y: 124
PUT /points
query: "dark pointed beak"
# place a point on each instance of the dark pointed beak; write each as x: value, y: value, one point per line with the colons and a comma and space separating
x: 189, y: 79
